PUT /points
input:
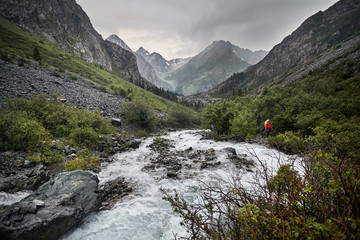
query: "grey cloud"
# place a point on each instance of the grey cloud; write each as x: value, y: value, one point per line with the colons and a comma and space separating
x: 253, y: 24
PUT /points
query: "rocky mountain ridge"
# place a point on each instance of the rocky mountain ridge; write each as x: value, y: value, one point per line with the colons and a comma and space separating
x: 146, y: 70
x: 67, y: 26
x: 62, y: 23
x: 317, y: 35
x: 202, y: 72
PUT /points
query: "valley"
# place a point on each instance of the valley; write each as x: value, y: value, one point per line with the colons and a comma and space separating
x: 98, y: 140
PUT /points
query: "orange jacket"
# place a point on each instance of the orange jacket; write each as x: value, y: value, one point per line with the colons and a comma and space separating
x: 268, y: 125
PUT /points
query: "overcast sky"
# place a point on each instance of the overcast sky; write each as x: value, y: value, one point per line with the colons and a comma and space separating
x: 183, y: 28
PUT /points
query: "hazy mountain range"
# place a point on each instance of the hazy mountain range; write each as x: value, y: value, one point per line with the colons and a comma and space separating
x: 194, y: 74
x: 221, y: 67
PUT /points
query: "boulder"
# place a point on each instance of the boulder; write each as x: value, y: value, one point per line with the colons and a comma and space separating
x: 171, y: 174
x: 52, y: 209
x: 231, y: 152
x: 25, y: 178
x: 116, y: 122
x: 133, y: 143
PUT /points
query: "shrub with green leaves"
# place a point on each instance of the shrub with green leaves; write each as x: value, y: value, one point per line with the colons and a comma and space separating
x: 289, y: 142
x: 31, y: 124
x: 139, y: 113
x: 244, y: 123
x: 21, y: 132
x: 84, y: 160
x: 85, y: 135
x: 181, y: 116
x: 218, y: 116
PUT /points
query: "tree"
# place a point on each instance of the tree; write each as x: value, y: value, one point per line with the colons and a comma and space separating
x: 36, y: 54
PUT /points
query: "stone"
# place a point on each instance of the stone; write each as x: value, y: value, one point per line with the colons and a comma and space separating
x: 52, y: 209
x: 116, y: 122
x: 171, y: 174
x: 69, y: 150
x: 29, y: 163
x: 18, y: 163
x: 231, y: 152
x: 133, y: 143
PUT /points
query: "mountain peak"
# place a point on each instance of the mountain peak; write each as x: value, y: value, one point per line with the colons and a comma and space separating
x: 142, y: 51
x: 115, y: 39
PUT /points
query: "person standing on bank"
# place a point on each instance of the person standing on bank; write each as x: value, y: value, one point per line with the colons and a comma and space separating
x: 268, y: 127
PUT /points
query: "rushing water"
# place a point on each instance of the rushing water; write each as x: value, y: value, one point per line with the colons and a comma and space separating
x: 7, y: 199
x: 143, y: 214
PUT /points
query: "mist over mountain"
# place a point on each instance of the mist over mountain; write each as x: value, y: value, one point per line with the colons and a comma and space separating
x: 194, y: 74
x: 212, y: 66
x: 323, y: 37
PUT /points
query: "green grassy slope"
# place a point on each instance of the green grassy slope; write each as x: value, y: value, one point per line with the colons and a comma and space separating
x: 15, y: 41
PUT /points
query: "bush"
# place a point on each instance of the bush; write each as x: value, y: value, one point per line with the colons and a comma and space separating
x: 289, y: 142
x: 139, y: 113
x: 244, y: 124
x: 36, y: 54
x: 218, y: 116
x: 86, y: 136
x: 49, y: 157
x: 180, y: 116
x: 84, y: 160
x: 20, y: 132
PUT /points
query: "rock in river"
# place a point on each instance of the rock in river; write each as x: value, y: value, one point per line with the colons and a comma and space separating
x: 53, y: 209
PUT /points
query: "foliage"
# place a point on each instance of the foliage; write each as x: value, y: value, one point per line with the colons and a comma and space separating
x: 244, y: 123
x: 218, y: 116
x: 36, y: 54
x: 21, y: 132
x: 86, y: 136
x: 15, y: 41
x: 84, y: 160
x: 181, y: 116
x: 321, y: 203
x: 32, y: 124
x: 139, y: 113
x: 289, y: 142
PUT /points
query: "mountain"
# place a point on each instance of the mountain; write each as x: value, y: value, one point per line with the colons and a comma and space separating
x: 323, y: 37
x: 66, y: 25
x: 160, y: 64
x: 192, y: 75
x: 207, y: 69
x: 146, y: 70
x: 62, y: 23
x: 118, y: 41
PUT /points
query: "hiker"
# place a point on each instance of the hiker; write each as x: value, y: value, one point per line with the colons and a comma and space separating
x: 268, y: 127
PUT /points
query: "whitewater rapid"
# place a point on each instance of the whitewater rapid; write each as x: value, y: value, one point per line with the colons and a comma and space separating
x: 143, y: 214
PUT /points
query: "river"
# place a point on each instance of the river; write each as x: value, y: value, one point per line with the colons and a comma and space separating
x: 143, y: 214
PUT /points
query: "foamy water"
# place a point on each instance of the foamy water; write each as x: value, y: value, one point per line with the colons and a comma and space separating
x: 143, y: 214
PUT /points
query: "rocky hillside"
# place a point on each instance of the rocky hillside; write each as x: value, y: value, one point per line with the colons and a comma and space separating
x: 19, y: 81
x: 62, y: 23
x: 319, y: 34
